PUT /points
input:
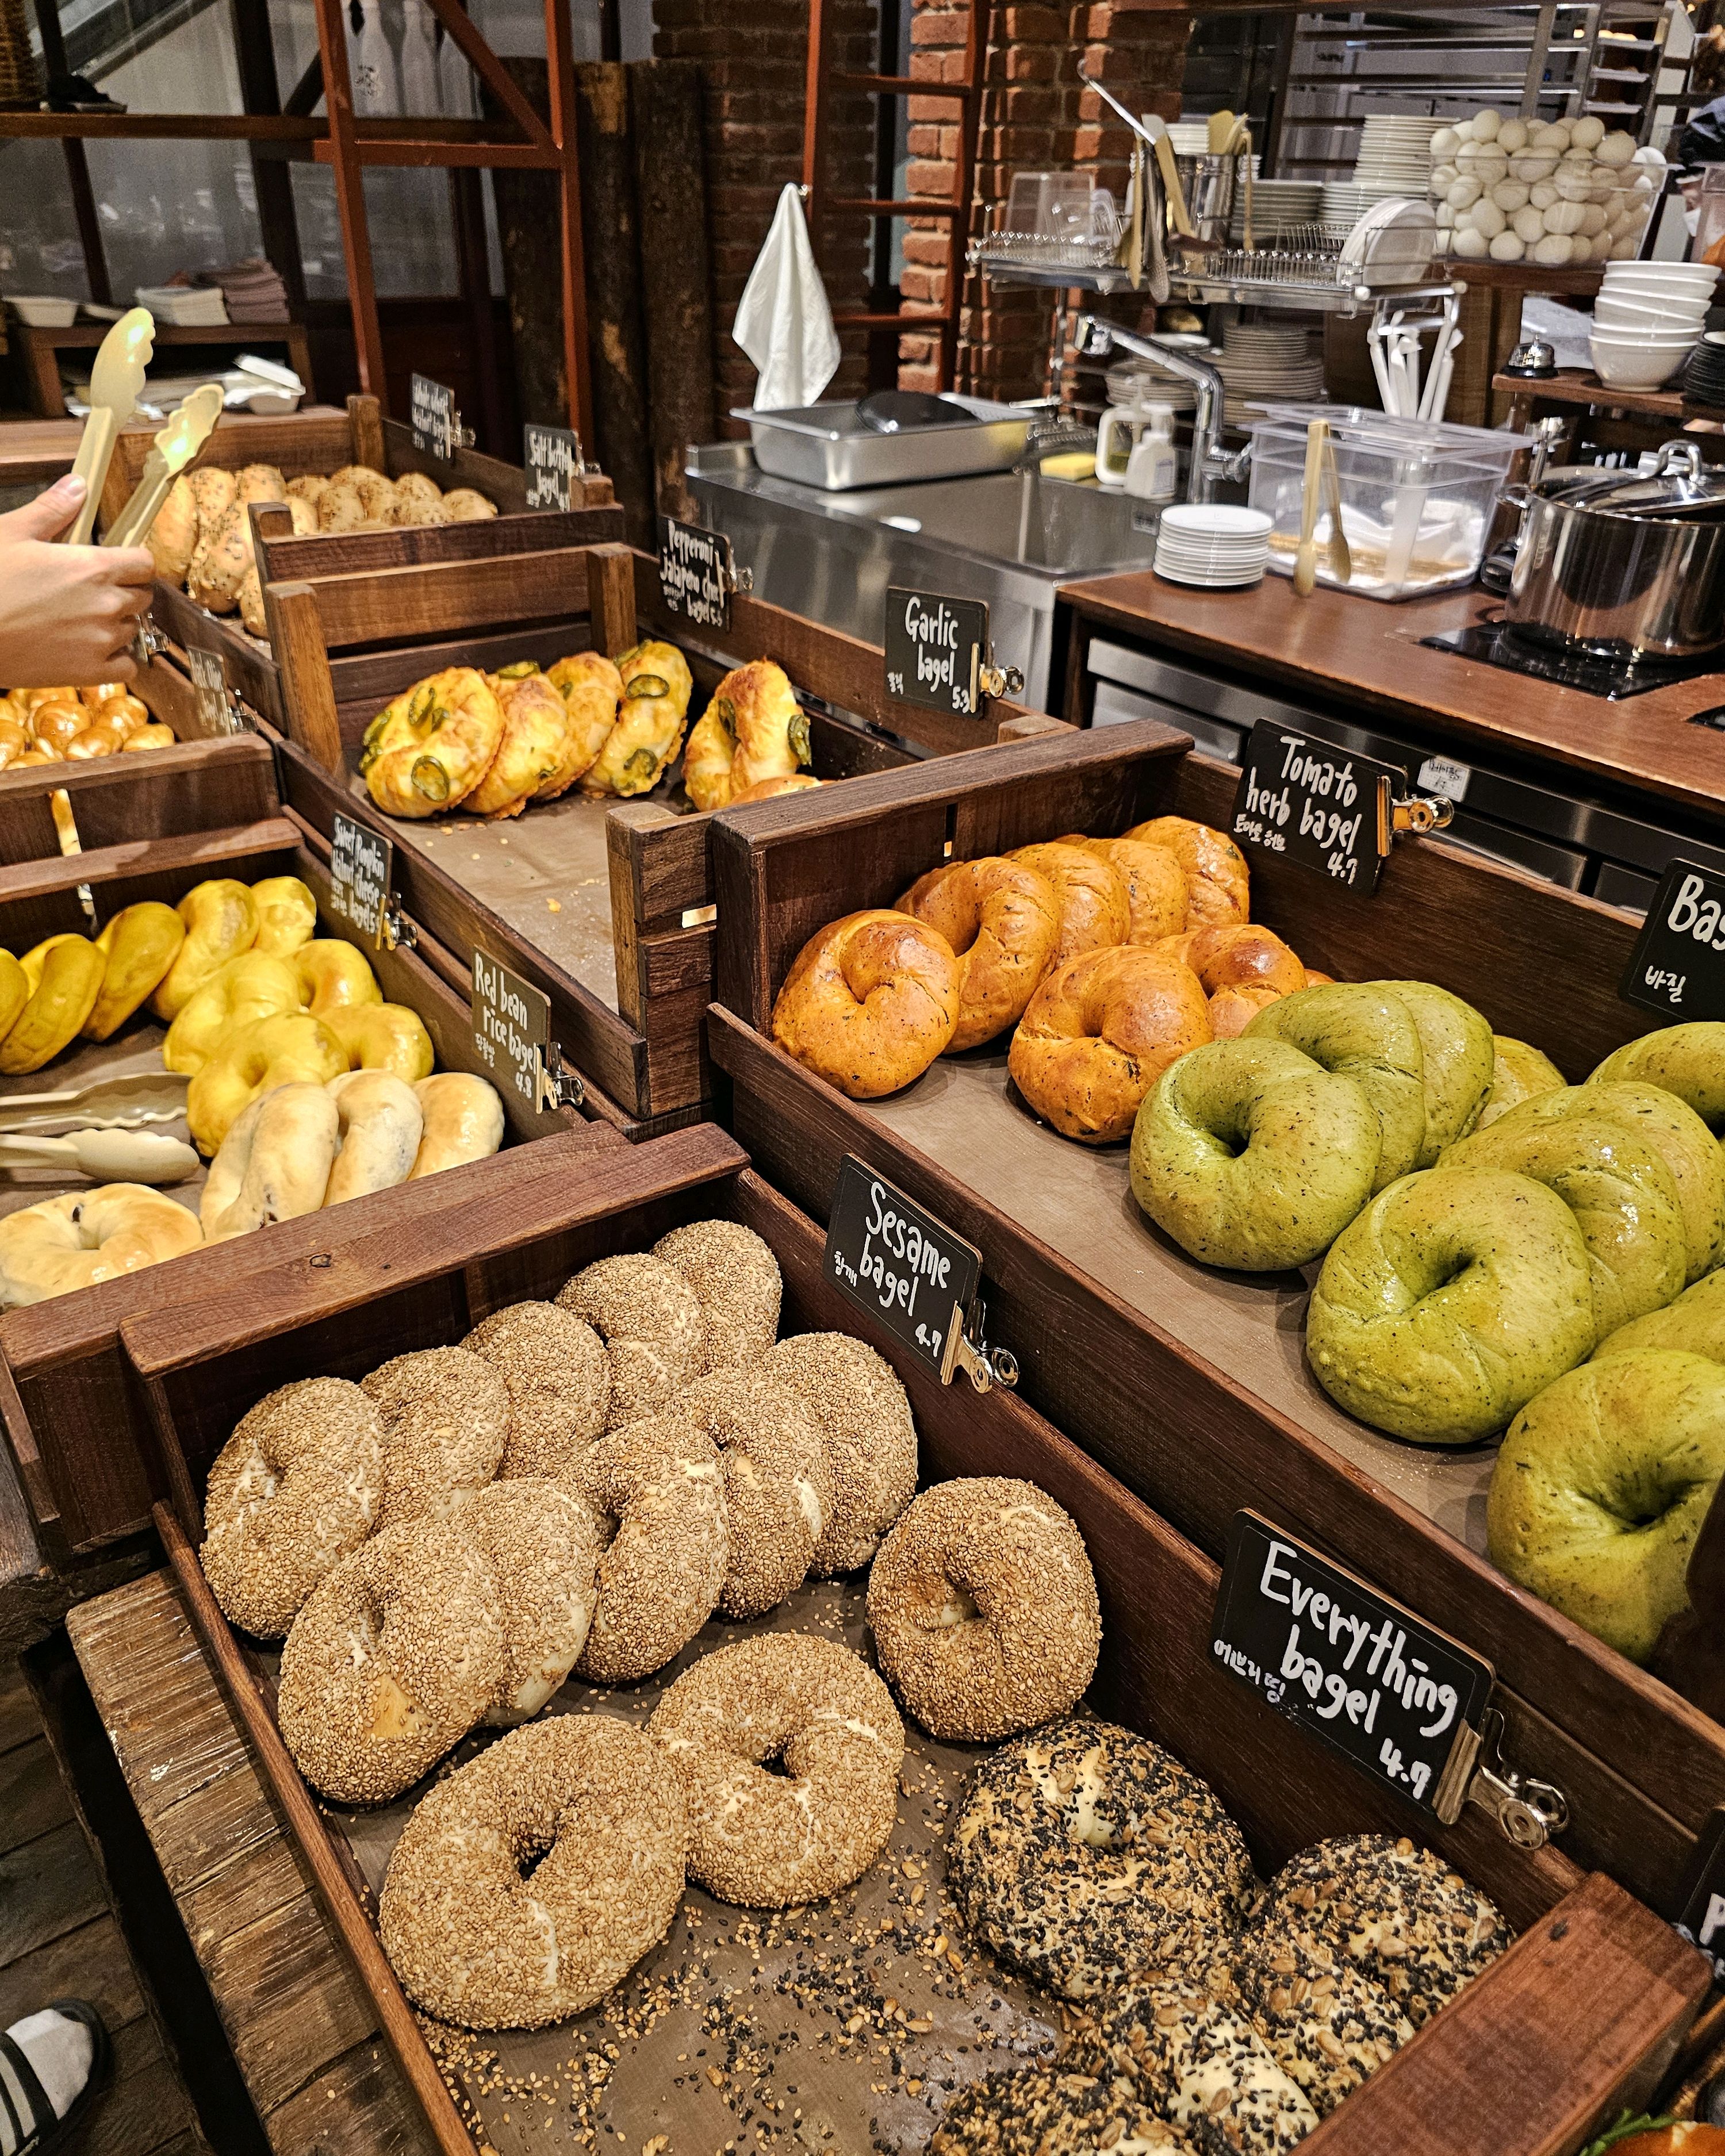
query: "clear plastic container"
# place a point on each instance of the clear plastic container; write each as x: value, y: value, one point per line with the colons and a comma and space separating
x: 1417, y: 498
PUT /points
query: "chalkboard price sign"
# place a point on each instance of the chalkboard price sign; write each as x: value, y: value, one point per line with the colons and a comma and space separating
x: 1701, y: 1917
x: 905, y: 1269
x: 936, y: 650
x: 362, y: 864
x: 1326, y: 807
x: 432, y: 418
x: 1678, y: 965
x: 209, y: 689
x: 553, y: 458
x: 697, y: 574
x: 1400, y: 1701
x: 511, y: 1032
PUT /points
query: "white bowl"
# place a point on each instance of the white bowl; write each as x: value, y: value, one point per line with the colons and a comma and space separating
x: 41, y: 313
x: 1646, y: 340
x: 1634, y: 368
x: 1668, y: 280
x: 1611, y: 312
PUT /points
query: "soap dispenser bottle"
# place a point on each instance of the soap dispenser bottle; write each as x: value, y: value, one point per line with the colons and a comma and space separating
x: 1154, y: 473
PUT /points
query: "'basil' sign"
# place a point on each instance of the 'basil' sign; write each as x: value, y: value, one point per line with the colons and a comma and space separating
x: 1678, y: 965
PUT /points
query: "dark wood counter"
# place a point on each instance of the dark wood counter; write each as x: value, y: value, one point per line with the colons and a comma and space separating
x: 1366, y: 656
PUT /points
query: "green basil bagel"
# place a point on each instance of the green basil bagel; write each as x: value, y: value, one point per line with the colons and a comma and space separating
x: 1601, y: 1487
x: 1624, y: 1198
x: 1456, y: 1043
x: 1688, y: 1061
x: 1518, y: 1072
x: 1453, y: 1298
x: 1674, y: 1132
x: 1251, y: 1156
x: 1695, y: 1322
x: 1367, y: 1034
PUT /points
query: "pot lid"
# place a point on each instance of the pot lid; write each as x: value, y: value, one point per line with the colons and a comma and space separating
x: 1679, y: 483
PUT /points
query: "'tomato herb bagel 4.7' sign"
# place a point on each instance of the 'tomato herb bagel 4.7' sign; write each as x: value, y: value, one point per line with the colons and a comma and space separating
x: 1329, y: 808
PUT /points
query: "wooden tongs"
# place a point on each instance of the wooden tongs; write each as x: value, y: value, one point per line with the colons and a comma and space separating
x: 1153, y: 134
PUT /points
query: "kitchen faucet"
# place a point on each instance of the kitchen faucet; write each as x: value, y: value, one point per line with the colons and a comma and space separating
x: 1211, y: 463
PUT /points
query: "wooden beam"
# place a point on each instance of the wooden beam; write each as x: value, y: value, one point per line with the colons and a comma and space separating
x: 491, y: 69
x: 261, y: 90
x: 560, y: 60
x: 351, y: 201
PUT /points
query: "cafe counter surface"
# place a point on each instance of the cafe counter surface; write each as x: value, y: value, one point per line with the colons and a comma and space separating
x: 1364, y: 659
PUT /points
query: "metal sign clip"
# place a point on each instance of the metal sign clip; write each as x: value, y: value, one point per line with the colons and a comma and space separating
x: 1529, y: 1812
x: 559, y: 1087
x: 1421, y: 813
x: 985, y: 1366
x: 999, y: 680
x: 399, y: 932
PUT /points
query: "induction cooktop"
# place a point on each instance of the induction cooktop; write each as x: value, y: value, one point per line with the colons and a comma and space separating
x: 1495, y: 643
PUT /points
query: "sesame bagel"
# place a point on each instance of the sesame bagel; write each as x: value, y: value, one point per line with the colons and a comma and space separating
x: 778, y: 1483
x: 292, y: 1491
x: 475, y: 1942
x: 659, y: 1577
x: 983, y: 1608
x: 445, y: 1416
x: 542, y: 1543
x: 648, y: 1317
x: 554, y: 1368
x: 1088, y: 1856
x: 392, y: 1659
x: 1389, y: 1907
x: 736, y: 1282
x: 767, y: 1840
x: 865, y: 1416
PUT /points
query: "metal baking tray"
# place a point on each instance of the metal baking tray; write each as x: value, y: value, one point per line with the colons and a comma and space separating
x: 827, y: 446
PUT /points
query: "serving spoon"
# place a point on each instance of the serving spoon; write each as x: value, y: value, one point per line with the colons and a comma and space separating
x: 116, y: 381
x: 174, y: 448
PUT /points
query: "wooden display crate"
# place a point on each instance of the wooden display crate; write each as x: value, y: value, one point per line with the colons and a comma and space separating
x: 625, y: 951
x: 322, y: 441
x: 69, y: 1413
x: 1188, y: 1383
x: 1583, y: 2015
x: 212, y: 780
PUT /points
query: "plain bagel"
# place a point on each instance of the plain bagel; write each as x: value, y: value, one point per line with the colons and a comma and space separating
x: 983, y: 1607
x: 588, y: 1809
x: 274, y: 1162
x: 767, y: 1840
x: 89, y: 1236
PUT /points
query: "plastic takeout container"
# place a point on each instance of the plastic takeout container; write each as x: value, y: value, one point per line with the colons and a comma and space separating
x: 1417, y: 496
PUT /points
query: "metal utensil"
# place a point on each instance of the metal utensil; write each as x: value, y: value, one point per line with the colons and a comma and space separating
x: 179, y: 442
x: 123, y: 1103
x: 116, y: 381
x: 105, y: 1155
x: 1338, y: 559
x: 890, y: 410
x: 1317, y: 433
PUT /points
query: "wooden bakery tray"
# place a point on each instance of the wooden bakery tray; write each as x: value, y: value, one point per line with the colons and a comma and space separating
x: 69, y: 1415
x: 1190, y: 1384
x: 605, y: 906
x: 1582, y: 2016
x: 322, y: 441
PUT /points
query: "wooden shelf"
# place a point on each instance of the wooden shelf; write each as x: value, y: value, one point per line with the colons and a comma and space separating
x: 40, y: 345
x: 1526, y: 276
x: 1576, y: 386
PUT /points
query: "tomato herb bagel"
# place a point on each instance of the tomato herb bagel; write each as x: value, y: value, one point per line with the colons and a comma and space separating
x: 1157, y: 895
x: 1095, y: 909
x: 869, y: 1003
x: 1099, y: 1033
x: 1003, y: 919
x: 1216, y: 872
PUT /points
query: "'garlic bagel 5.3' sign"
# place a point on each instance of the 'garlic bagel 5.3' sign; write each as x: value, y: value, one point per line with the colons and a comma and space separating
x: 936, y: 650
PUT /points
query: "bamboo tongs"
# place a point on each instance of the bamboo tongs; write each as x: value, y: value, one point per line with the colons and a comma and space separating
x: 1153, y: 133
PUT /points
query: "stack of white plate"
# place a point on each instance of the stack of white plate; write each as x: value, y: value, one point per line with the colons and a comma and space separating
x: 1277, y: 205
x: 1394, y: 153
x: 1191, y: 138
x: 1281, y: 359
x: 1212, y: 545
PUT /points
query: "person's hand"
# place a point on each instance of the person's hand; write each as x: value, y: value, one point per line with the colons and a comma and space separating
x: 67, y: 614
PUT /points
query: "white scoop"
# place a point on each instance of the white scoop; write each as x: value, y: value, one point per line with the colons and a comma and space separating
x: 105, y: 1156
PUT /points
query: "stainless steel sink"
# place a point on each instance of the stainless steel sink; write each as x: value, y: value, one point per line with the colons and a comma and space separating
x: 1000, y: 536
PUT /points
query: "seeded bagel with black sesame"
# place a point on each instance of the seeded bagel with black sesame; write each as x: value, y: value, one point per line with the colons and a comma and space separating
x: 1052, y: 2111
x: 983, y: 1607
x: 1090, y: 1858
x: 1328, y: 2022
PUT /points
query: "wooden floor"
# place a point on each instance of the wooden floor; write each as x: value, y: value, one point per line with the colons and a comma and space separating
x: 58, y: 1938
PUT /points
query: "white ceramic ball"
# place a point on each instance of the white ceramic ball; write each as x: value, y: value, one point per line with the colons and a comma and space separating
x: 1512, y: 134
x: 1572, y: 186
x: 1542, y: 194
x: 1472, y: 246
x: 1464, y: 194
x: 1532, y: 167
x: 1654, y: 159
x: 1486, y: 125
x: 1529, y: 225
x: 1485, y: 217
x: 1508, y: 247
x: 1563, y: 217
x: 1594, y: 219
x: 1444, y: 143
x: 1552, y: 250
x: 1443, y: 178
x: 1587, y: 132
x: 1511, y: 195
x: 1617, y: 148
x: 1643, y: 183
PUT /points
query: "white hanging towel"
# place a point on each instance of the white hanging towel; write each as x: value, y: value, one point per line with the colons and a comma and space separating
x: 784, y: 321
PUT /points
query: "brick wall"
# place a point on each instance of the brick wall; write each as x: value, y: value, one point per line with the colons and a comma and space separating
x: 753, y: 58
x: 1036, y: 116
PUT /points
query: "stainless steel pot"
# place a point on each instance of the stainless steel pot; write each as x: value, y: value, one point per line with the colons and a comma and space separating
x: 1623, y: 565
